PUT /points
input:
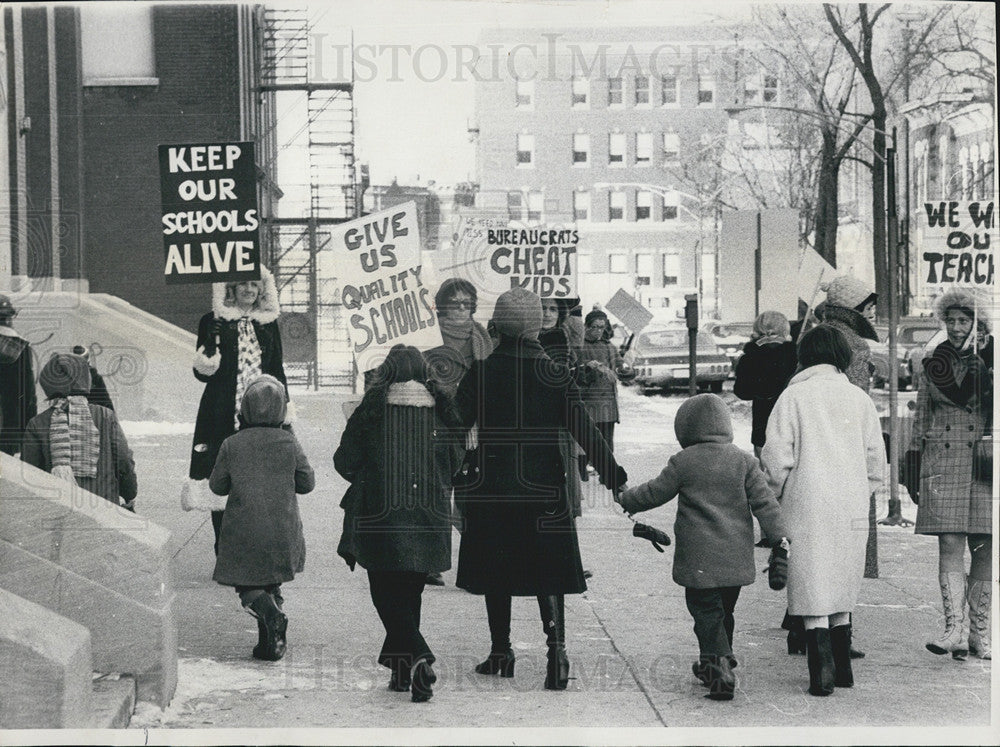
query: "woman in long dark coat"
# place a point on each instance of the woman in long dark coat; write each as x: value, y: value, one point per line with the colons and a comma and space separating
x: 237, y: 341
x: 399, y: 457
x: 520, y: 538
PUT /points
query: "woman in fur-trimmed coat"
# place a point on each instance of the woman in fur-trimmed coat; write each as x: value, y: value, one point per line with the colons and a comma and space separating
x: 237, y: 341
x: 399, y: 451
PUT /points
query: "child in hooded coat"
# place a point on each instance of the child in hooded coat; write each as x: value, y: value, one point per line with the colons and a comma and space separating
x: 261, y: 468
x: 718, y: 487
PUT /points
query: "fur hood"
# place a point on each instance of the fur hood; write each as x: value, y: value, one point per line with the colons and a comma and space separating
x: 265, y: 310
x: 965, y: 298
x: 850, y: 318
x: 409, y: 394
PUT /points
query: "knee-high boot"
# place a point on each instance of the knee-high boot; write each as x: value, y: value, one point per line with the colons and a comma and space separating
x: 980, y: 596
x: 819, y: 655
x: 501, y: 658
x: 840, y: 644
x: 552, y: 609
x: 956, y: 622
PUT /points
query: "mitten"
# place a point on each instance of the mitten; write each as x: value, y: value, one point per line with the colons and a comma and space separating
x: 617, y: 478
x: 291, y: 414
x: 909, y: 474
x: 654, y: 535
x: 204, y: 365
x: 777, y: 566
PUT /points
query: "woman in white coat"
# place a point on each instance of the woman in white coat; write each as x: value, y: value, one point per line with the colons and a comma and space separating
x: 823, y: 457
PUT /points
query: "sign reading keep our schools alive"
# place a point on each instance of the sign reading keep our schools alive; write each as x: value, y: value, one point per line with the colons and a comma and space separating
x: 959, y: 243
x: 210, y: 216
x: 383, y: 292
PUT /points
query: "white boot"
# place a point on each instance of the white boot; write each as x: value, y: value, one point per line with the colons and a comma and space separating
x: 980, y: 597
x: 955, y: 637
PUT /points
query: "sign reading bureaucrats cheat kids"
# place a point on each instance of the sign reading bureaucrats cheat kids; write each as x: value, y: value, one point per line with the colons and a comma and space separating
x: 383, y: 293
x: 210, y: 215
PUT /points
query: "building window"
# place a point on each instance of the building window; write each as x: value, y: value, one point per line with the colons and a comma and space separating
x: 706, y: 90
x: 641, y: 90
x: 536, y: 205
x: 616, y: 206
x: 643, y: 269
x: 525, y: 94
x: 671, y: 146
x: 515, y: 204
x: 581, y: 149
x: 643, y: 205
x: 670, y: 207
x: 581, y: 206
x: 616, y: 148
x: 668, y: 89
x: 643, y: 148
x: 116, y: 44
x: 617, y: 262
x: 525, y: 150
x: 581, y: 93
x: 583, y: 263
x: 614, y: 91
x: 770, y: 87
x: 671, y: 268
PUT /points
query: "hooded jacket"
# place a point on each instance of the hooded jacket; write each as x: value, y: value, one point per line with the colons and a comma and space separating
x: 18, y: 403
x: 720, y: 489
x: 216, y: 410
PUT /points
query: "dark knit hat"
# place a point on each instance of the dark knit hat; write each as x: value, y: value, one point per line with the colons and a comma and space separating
x: 6, y: 307
x: 703, y: 418
x: 263, y: 402
x: 518, y: 313
x: 64, y: 375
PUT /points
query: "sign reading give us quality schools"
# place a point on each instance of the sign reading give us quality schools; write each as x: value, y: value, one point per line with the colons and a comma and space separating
x: 210, y: 217
x: 383, y: 291
x: 959, y: 242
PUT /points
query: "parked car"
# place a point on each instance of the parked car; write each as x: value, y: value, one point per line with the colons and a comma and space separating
x: 912, y: 334
x: 659, y: 359
x: 730, y: 336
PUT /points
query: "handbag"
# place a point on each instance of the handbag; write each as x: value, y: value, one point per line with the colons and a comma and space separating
x: 196, y: 496
x: 982, y: 460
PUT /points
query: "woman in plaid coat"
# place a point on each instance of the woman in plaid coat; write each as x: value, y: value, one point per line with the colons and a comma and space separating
x: 953, y: 415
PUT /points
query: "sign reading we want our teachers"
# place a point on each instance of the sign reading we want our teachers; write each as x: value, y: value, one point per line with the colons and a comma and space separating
x: 210, y: 217
x: 959, y: 243
x: 383, y: 292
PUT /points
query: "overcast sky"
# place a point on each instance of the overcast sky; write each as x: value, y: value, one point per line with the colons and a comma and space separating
x: 408, y: 126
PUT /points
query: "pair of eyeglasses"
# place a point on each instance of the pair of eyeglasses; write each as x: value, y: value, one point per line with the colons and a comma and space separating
x: 460, y: 304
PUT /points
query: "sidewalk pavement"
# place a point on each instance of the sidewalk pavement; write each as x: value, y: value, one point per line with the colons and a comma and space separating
x: 629, y: 637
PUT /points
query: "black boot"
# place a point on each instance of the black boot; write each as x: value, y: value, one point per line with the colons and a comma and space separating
x: 552, y: 609
x: 720, y: 680
x: 501, y: 658
x: 275, y: 623
x: 422, y: 677
x: 399, y: 680
x: 840, y: 644
x: 260, y: 649
x: 796, y: 633
x: 819, y: 655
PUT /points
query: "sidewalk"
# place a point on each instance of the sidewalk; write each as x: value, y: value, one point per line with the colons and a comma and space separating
x: 629, y: 636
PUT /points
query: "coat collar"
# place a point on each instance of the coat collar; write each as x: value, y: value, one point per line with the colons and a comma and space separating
x: 850, y: 318
x: 267, y: 309
x: 409, y: 394
x: 522, y: 347
x: 819, y: 371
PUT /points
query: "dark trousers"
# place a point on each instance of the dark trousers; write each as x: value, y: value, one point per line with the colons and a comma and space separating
x: 607, y: 430
x: 712, y: 610
x: 217, y: 527
x: 249, y: 593
x: 551, y: 609
x: 396, y: 596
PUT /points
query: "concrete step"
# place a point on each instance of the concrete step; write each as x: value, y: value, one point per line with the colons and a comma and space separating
x: 114, y: 702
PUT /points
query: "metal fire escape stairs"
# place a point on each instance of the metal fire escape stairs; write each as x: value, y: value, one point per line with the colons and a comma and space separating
x: 296, y: 241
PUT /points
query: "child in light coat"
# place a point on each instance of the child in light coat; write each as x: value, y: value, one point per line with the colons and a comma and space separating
x: 719, y: 488
x: 261, y: 468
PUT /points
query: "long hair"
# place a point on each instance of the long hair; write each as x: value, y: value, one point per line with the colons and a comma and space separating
x: 406, y: 363
x: 824, y: 344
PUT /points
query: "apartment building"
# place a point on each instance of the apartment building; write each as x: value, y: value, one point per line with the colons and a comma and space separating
x: 618, y: 131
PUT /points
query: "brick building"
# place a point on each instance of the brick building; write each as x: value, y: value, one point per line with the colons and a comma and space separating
x: 92, y: 90
x: 618, y: 130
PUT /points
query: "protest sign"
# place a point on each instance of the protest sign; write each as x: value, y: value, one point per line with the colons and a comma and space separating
x: 542, y: 259
x: 959, y: 243
x: 629, y: 311
x: 210, y: 216
x: 382, y: 289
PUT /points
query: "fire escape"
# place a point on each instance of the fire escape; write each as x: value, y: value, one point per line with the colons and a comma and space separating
x: 314, y: 330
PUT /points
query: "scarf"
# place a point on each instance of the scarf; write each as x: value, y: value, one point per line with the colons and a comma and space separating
x: 959, y: 374
x: 73, y: 437
x: 467, y: 338
x: 247, y: 363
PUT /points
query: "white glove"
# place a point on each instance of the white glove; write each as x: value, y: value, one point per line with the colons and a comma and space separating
x: 291, y: 414
x: 204, y: 365
x: 64, y: 472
